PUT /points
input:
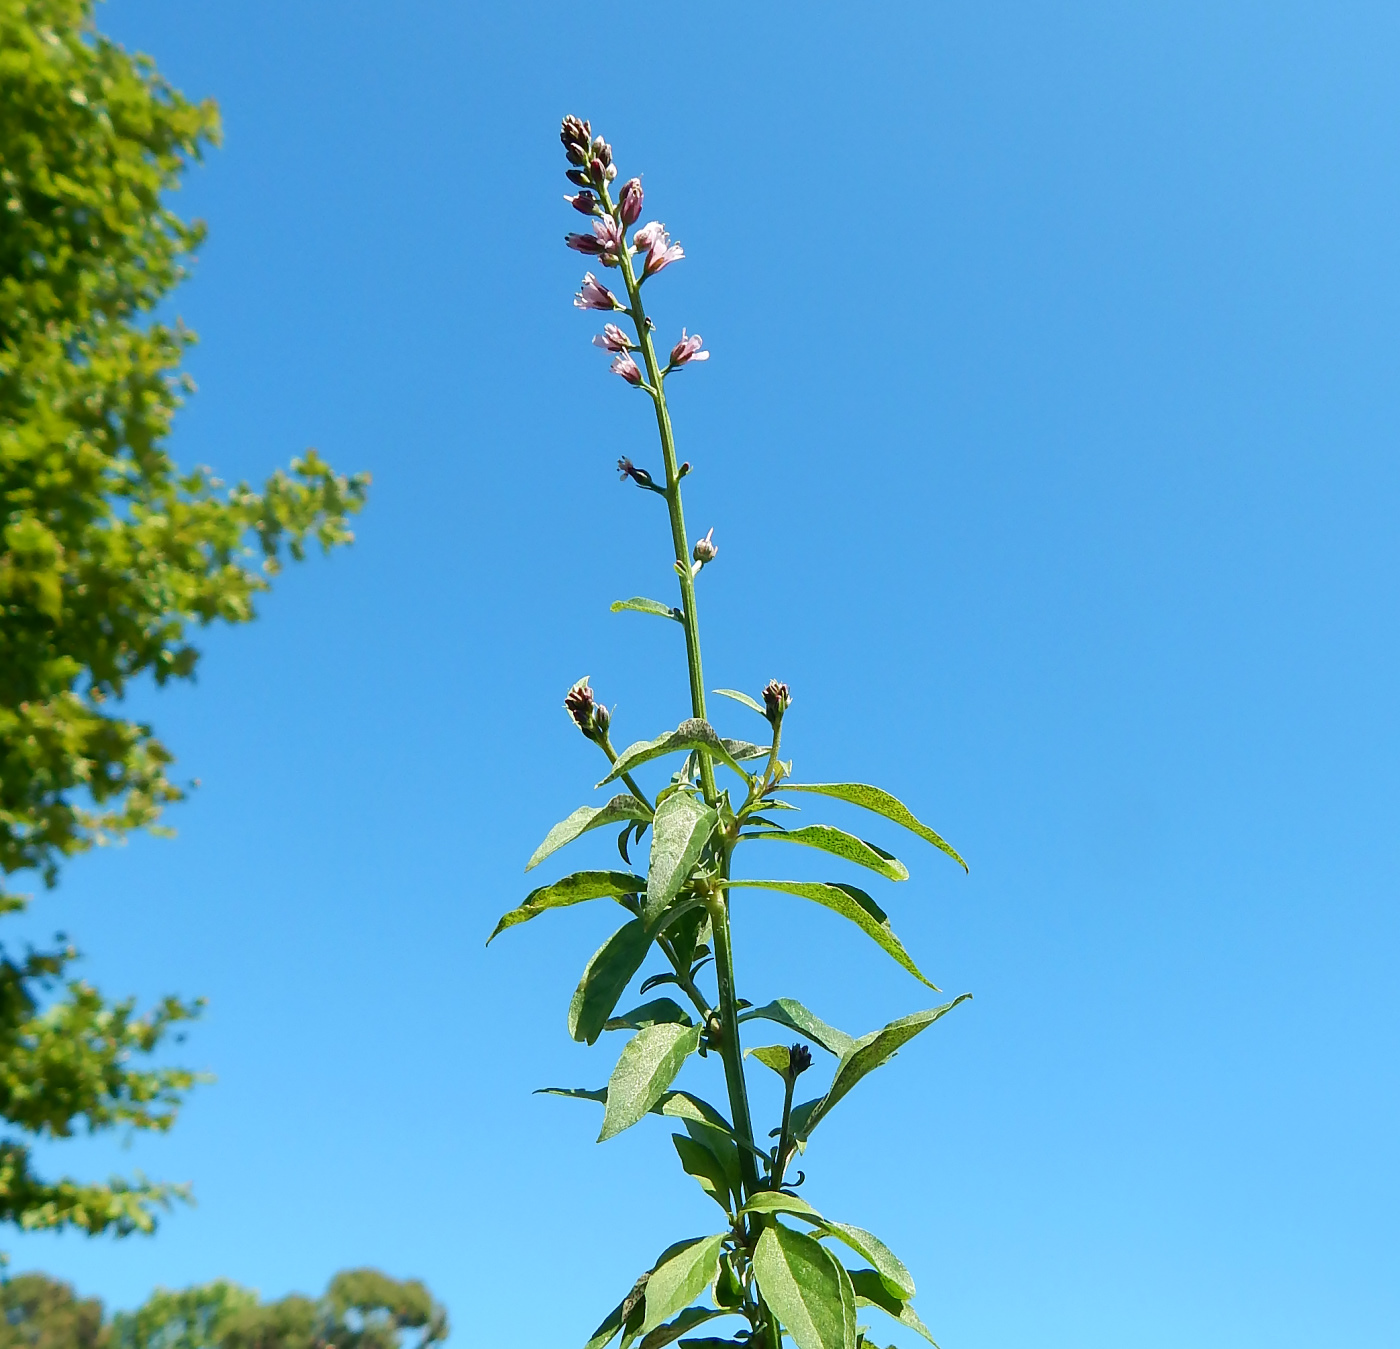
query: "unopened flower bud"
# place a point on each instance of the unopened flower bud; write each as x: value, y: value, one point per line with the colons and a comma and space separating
x: 602, y: 150
x: 706, y: 549
x: 611, y: 172
x: 799, y: 1060
x: 585, y: 203
x: 776, y: 700
x: 588, y: 716
x: 575, y: 133
x: 578, y: 177
x: 631, y: 201
x: 624, y: 365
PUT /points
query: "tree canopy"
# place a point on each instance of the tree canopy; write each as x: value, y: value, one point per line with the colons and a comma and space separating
x: 109, y: 554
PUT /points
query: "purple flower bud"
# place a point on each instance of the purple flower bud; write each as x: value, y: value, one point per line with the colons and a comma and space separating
x: 688, y: 349
x: 706, y: 549
x: 631, y: 201
x: 589, y: 716
x: 799, y: 1060
x: 584, y: 243
x: 776, y: 701
x: 602, y: 150
x: 592, y: 295
x: 578, y: 177
x: 624, y: 365
x: 612, y: 338
x: 585, y: 203
x: 575, y: 137
x: 595, y: 167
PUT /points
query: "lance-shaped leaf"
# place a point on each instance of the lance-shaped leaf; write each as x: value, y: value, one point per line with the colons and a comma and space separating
x: 599, y: 1094
x: 640, y: 605
x: 742, y: 698
x: 841, y: 844
x: 650, y: 1014
x: 745, y: 749
x: 585, y: 818
x: 717, y: 1140
x: 697, y: 1160
x: 871, y: 1291
x: 686, y: 1321
x: 850, y: 903
x: 888, y: 1265
x: 775, y: 1201
x: 684, y: 1106
x: 776, y: 1057
x: 648, y: 1065
x: 677, y: 1281
x: 628, y: 1313
x: 801, y: 1281
x: 575, y: 889
x: 693, y: 734
x: 792, y: 1014
x: 881, y: 803
x: 679, y: 833
x: 607, y: 974
x: 867, y: 1054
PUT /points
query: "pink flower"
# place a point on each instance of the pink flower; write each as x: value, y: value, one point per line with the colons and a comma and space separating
x: 592, y: 295
x: 631, y: 201
x: 612, y: 338
x: 625, y: 366
x: 688, y: 349
x: 660, y: 251
x: 584, y: 202
x: 604, y: 242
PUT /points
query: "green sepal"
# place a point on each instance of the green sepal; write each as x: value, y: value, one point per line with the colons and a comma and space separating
x: 679, y: 833
x: 841, y: 844
x: 850, y: 903
x: 639, y: 605
x: 673, y: 1330
x: 650, y: 1014
x: 871, y: 1291
x: 647, y: 1067
x: 605, y: 977
x: 864, y: 1056
x: 678, y: 1280
x: 742, y: 698
x: 693, y: 734
x: 880, y: 802
x: 806, y: 1288
x: 621, y: 807
x: 792, y: 1014
x: 575, y: 889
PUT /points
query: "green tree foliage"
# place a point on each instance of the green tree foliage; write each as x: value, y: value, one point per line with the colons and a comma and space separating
x: 362, y: 1309
x: 108, y: 554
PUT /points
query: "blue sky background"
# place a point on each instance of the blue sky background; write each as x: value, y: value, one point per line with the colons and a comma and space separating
x: 1049, y: 442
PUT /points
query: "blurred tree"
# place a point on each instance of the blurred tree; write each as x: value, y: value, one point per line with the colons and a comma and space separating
x: 107, y: 553
x: 362, y: 1309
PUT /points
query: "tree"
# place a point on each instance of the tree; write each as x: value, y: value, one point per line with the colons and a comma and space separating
x: 109, y: 554
x: 361, y: 1309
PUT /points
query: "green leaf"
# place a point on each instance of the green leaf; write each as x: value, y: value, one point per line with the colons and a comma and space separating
x: 880, y: 802
x: 841, y: 844
x: 888, y: 1265
x: 585, y: 818
x: 644, y: 606
x: 864, y: 1056
x: 650, y: 1014
x: 575, y: 889
x: 774, y: 1201
x: 745, y: 749
x: 720, y: 1143
x: 648, y: 1065
x: 607, y: 974
x: 679, y: 1280
x: 679, y: 833
x: 871, y: 1291
x: 673, y: 1330
x: 792, y: 1014
x: 693, y: 734
x: 697, y: 1160
x: 801, y: 1281
x: 627, y: 1313
x: 776, y: 1057
x: 742, y: 698
x: 599, y: 1094
x: 682, y: 1105
x: 850, y: 903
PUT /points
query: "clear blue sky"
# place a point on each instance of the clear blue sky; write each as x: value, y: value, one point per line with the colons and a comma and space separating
x: 1049, y: 441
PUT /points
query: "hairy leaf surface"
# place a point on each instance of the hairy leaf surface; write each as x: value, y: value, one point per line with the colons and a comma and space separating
x: 621, y: 807
x: 679, y: 833
x: 801, y: 1281
x: 648, y: 1065
x: 650, y: 1014
x: 679, y: 1280
x: 871, y: 1291
x: 693, y: 734
x: 888, y: 1265
x: 841, y: 844
x: 742, y: 698
x: 606, y: 976
x: 697, y: 1160
x: 686, y: 1321
x: 575, y: 889
x: 638, y: 604
x: 881, y: 803
x: 792, y: 1014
